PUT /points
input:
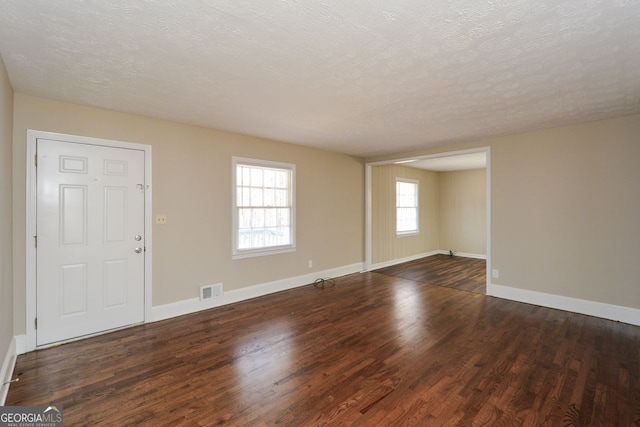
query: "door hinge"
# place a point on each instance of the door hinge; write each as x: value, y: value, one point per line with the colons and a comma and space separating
x: 36, y: 322
x: 36, y: 160
x: 35, y: 238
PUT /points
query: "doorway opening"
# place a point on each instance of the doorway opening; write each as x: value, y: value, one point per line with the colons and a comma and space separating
x: 454, y: 206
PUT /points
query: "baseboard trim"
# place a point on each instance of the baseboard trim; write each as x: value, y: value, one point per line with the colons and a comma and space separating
x: 423, y: 255
x: 401, y: 260
x: 463, y: 254
x: 574, y: 305
x: 194, y: 305
x: 8, y: 364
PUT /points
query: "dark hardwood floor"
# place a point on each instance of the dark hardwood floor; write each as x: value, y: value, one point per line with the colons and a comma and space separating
x: 465, y: 274
x: 374, y: 350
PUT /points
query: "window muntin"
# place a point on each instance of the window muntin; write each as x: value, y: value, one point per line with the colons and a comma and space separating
x: 407, y: 221
x: 264, y: 207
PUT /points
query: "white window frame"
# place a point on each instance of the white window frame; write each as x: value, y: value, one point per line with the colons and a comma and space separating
x: 271, y: 250
x: 416, y: 207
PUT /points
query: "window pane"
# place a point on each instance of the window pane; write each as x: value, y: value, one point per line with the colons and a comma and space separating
x: 239, y: 196
x: 244, y: 239
x: 282, y: 179
x: 269, y: 197
x: 273, y: 236
x: 283, y: 217
x: 257, y: 218
x: 270, y: 218
x: 256, y: 197
x: 257, y: 238
x: 409, y: 200
x: 282, y: 198
x: 286, y: 235
x: 243, y: 197
x: 246, y: 197
x: 246, y: 176
x: 244, y: 216
x: 269, y: 178
x: 256, y: 177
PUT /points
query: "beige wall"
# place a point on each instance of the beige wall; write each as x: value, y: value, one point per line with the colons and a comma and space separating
x: 566, y: 209
x: 6, y: 274
x: 463, y: 211
x: 386, y: 245
x: 192, y: 186
x: 565, y: 205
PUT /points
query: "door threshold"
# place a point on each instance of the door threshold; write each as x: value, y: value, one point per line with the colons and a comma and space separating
x: 84, y: 337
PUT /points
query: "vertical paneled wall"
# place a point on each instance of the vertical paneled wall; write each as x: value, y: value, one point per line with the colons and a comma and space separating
x: 385, y: 244
x: 463, y: 211
x: 452, y: 212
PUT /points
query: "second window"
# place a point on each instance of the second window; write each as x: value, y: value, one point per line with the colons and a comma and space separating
x: 406, y: 206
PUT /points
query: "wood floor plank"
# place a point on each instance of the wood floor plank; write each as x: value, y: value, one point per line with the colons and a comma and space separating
x: 465, y: 274
x: 372, y: 350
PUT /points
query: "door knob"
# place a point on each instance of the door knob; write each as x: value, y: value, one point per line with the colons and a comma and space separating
x: 138, y: 238
x: 138, y: 250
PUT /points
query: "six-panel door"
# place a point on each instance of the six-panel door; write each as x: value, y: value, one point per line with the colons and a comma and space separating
x: 90, y: 244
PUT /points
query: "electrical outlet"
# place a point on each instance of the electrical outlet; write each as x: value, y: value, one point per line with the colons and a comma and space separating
x: 495, y: 273
x: 310, y: 264
x: 161, y: 219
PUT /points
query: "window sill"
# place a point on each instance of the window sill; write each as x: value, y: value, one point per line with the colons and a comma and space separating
x: 262, y: 252
x: 408, y: 233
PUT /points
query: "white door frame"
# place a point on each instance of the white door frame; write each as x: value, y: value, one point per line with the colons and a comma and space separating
x: 31, y: 196
x: 368, y: 248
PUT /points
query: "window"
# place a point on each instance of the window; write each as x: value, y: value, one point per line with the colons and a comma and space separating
x: 264, y: 207
x: 406, y: 206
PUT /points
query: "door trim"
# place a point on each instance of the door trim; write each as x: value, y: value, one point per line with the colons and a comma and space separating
x: 31, y: 202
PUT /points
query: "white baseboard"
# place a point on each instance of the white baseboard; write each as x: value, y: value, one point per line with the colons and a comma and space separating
x: 422, y: 255
x: 401, y: 260
x: 574, y: 305
x: 463, y: 254
x: 193, y: 305
x: 8, y: 363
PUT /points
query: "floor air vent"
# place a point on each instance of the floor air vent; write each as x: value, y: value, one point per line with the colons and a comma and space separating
x: 210, y: 291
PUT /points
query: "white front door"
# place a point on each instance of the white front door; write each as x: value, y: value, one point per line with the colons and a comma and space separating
x: 90, y: 239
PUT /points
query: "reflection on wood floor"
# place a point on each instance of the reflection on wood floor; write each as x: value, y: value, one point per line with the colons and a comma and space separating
x: 373, y: 350
x: 465, y: 274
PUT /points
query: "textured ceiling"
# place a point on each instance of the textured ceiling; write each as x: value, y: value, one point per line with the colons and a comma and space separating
x: 362, y: 77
